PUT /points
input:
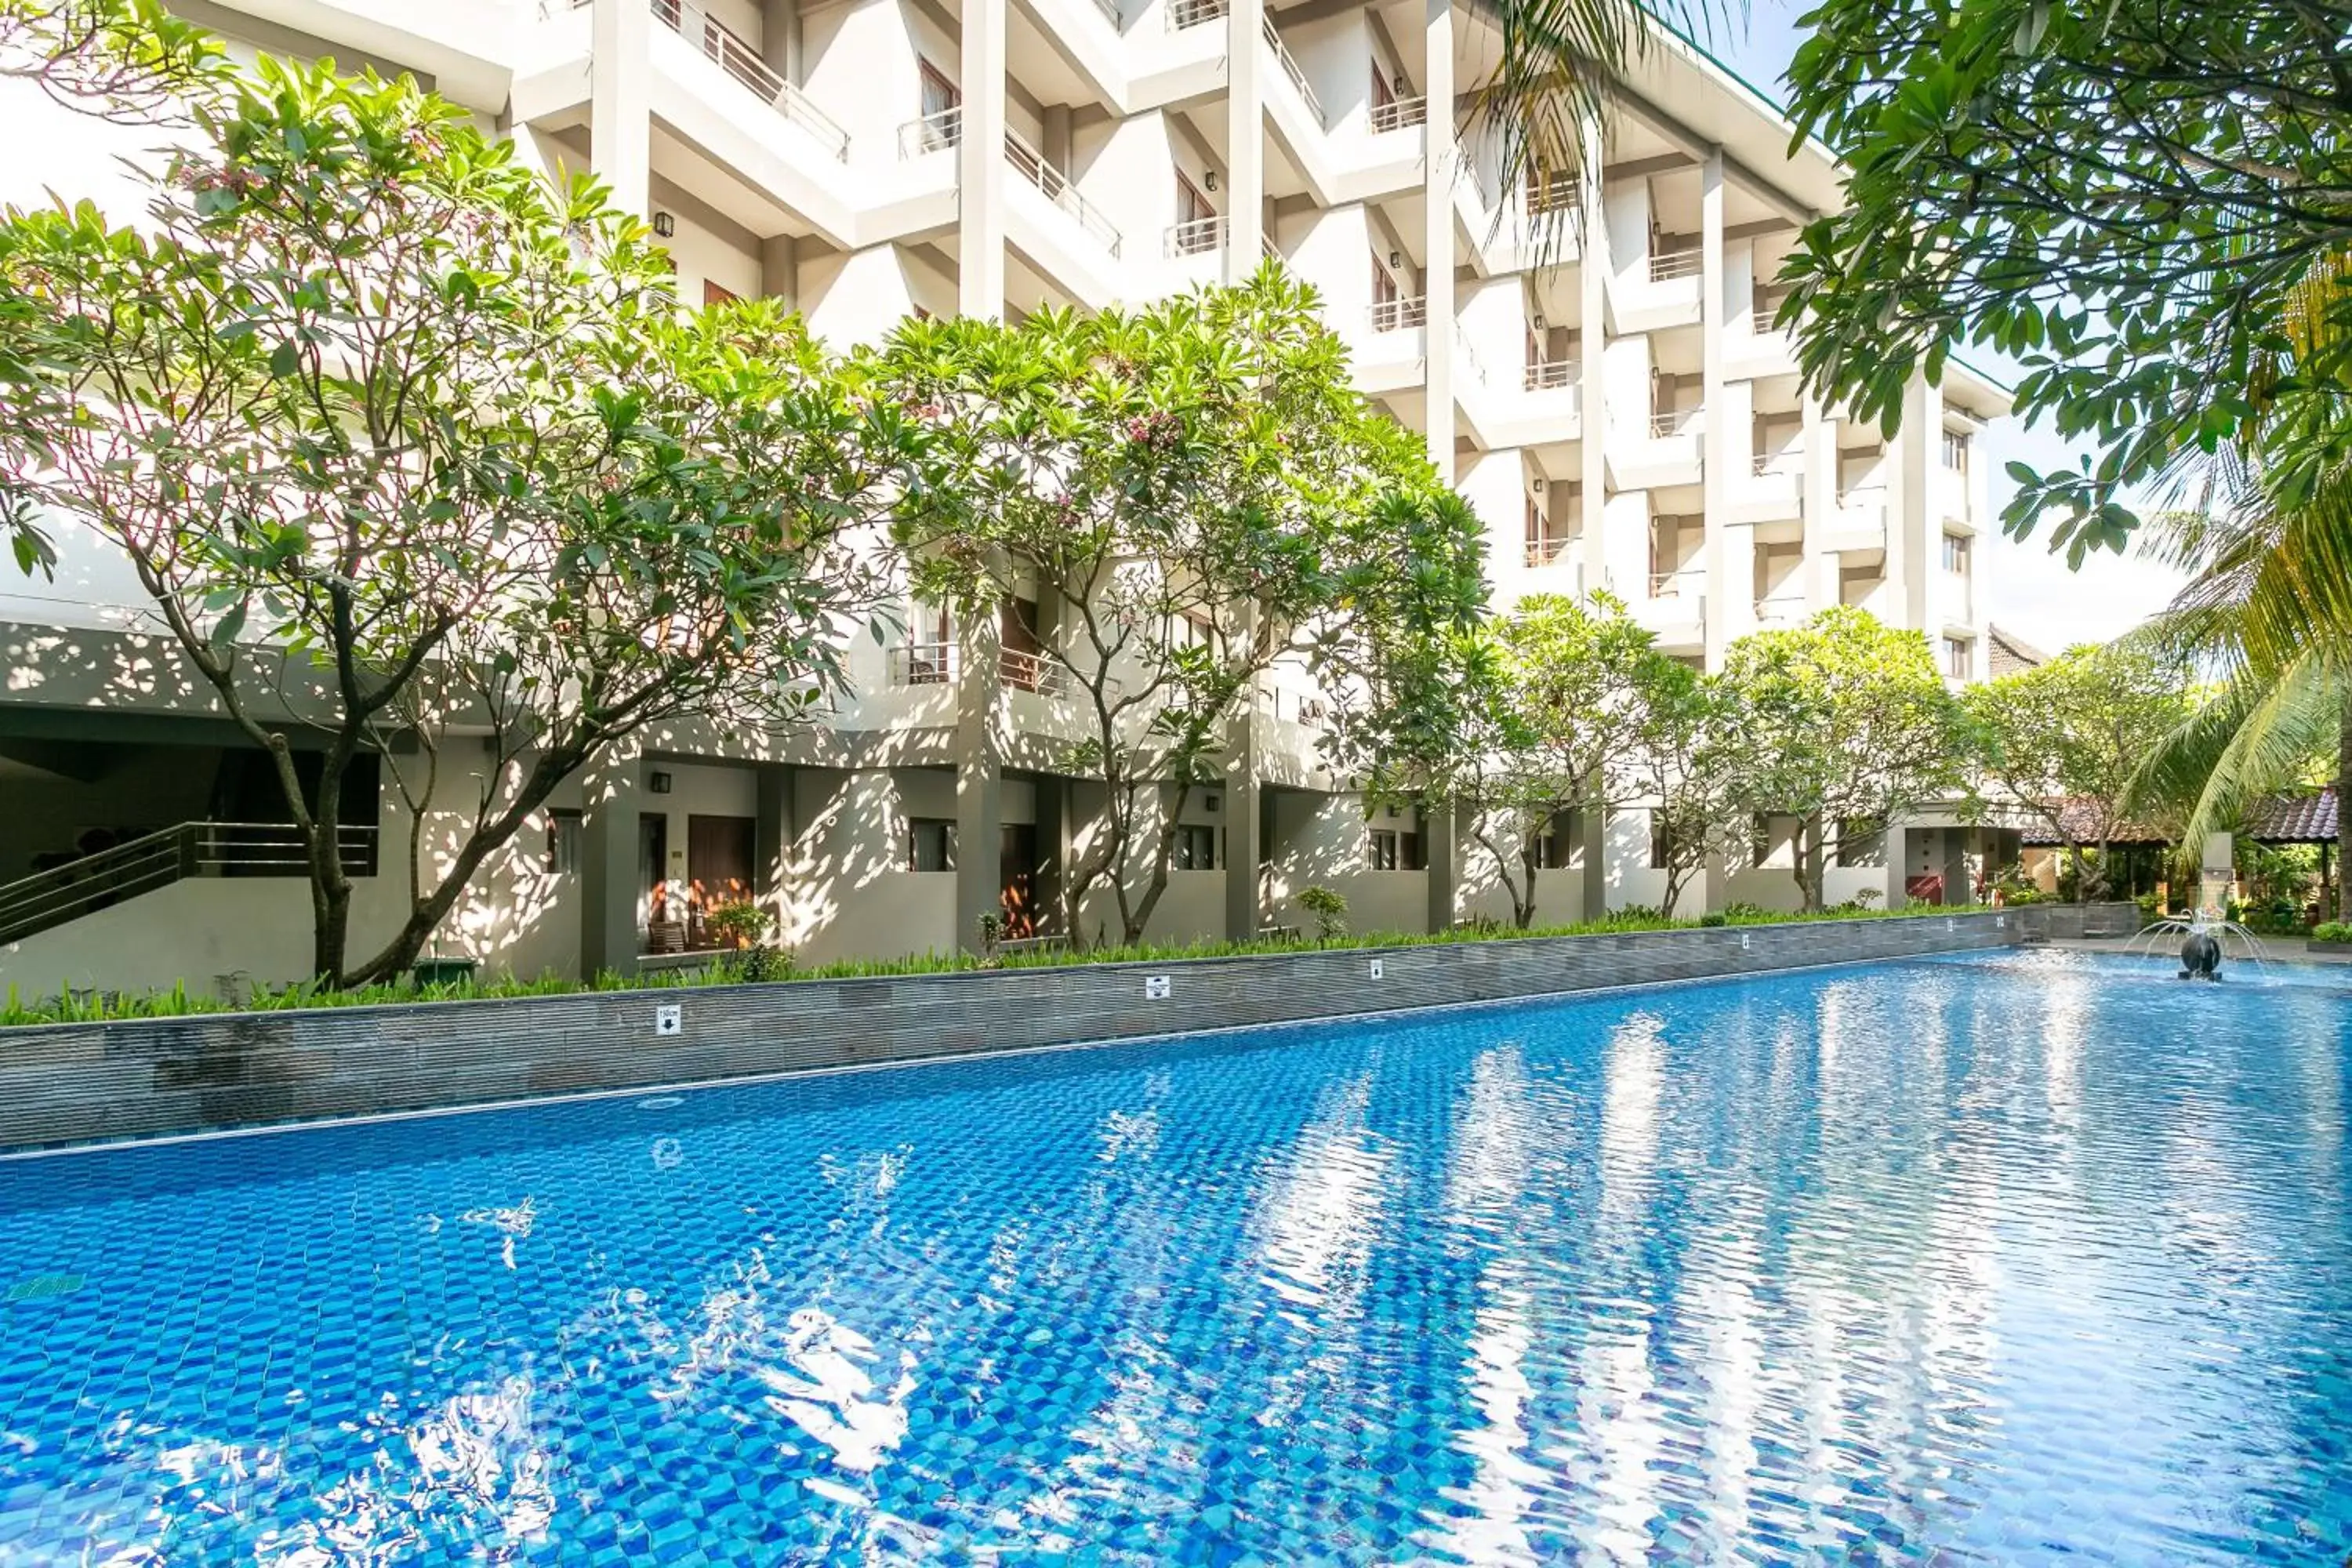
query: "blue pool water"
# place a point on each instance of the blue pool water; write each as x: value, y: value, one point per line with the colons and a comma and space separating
x: 2007, y: 1261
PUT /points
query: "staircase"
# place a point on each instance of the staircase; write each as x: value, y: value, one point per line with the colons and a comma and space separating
x: 47, y: 899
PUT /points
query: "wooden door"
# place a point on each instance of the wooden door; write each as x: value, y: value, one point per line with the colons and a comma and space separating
x: 719, y: 854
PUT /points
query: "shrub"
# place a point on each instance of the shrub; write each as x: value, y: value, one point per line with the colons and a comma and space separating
x: 2332, y: 931
x: 1712, y: 919
x: 738, y: 925
x: 1329, y: 910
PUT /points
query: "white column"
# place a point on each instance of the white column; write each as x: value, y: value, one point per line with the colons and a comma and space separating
x: 620, y: 133
x: 1818, y: 500
x: 980, y: 162
x: 1729, y: 581
x: 1911, y: 523
x: 1244, y: 141
x: 1592, y: 395
x: 1437, y: 241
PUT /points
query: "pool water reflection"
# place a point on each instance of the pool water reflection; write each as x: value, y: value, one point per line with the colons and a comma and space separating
x: 2007, y: 1260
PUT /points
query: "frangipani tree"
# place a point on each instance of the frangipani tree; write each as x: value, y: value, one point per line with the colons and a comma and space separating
x: 369, y: 407
x: 1193, y: 492
x: 2062, y: 740
x: 1840, y: 722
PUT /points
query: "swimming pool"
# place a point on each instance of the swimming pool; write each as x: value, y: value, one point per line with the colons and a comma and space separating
x: 1999, y: 1260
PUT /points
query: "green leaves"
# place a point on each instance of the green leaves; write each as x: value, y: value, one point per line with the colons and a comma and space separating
x: 2128, y: 201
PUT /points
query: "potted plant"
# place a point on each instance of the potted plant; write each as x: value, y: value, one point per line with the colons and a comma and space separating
x: 434, y: 967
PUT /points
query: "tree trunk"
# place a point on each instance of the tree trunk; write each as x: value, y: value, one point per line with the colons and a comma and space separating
x: 2082, y: 883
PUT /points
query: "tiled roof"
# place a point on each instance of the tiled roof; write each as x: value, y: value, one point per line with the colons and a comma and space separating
x: 2295, y: 819
x: 2080, y: 818
x: 2010, y: 653
x: 2280, y: 819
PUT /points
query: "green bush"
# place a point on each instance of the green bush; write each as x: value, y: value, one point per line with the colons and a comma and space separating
x: 2332, y: 931
x: 1714, y: 920
x: 1329, y: 910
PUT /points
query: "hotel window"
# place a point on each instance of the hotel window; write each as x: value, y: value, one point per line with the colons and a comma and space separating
x: 1545, y: 542
x: 1196, y: 848
x: 1957, y: 659
x: 1956, y: 554
x: 1391, y: 849
x: 1661, y: 843
x: 931, y: 844
x: 1956, y: 451
x: 564, y: 827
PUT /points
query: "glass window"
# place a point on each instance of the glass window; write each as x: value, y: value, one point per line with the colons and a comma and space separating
x: 1955, y: 553
x: 564, y: 828
x: 1956, y: 657
x: 1381, y: 849
x: 931, y: 844
x: 1196, y: 848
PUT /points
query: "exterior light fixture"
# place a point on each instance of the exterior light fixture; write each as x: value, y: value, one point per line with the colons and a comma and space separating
x: 664, y: 225
x: 658, y: 781
x: 1539, y: 484
x: 1210, y: 179
x: 1396, y: 258
x: 1539, y: 321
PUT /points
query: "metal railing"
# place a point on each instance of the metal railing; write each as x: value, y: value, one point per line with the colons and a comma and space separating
x: 1770, y: 463
x: 1545, y: 373
x: 1032, y: 672
x: 1399, y: 113
x: 1396, y: 315
x: 1761, y: 322
x: 1183, y: 14
x: 1546, y: 548
x: 1668, y: 422
x: 923, y: 664
x: 1780, y: 610
x: 932, y: 133
x: 1296, y: 72
x: 1198, y: 238
x: 1054, y: 185
x: 1670, y: 584
x: 1273, y: 252
x: 83, y: 885
x: 1666, y: 266
x: 739, y: 60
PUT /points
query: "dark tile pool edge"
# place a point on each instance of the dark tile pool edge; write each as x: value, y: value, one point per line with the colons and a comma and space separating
x: 72, y: 1084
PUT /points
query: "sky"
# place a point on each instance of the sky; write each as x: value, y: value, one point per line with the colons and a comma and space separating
x: 2029, y: 591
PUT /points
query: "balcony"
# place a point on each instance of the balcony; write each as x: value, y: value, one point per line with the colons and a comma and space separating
x: 1198, y: 238
x: 1547, y: 374
x: 1668, y: 423
x: 1291, y: 68
x: 743, y: 63
x: 1780, y: 610
x: 1054, y: 185
x: 934, y: 132
x: 1546, y: 549
x: 1187, y: 13
x: 1673, y: 266
x: 1682, y: 581
x: 1399, y: 315
x: 1761, y: 322
x: 1400, y: 114
x: 1031, y: 672
x: 923, y: 664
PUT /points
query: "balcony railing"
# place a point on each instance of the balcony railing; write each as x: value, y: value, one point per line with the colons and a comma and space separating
x: 1297, y: 75
x: 1197, y: 238
x: 1397, y: 315
x: 1183, y: 14
x: 1546, y: 373
x: 1032, y: 672
x: 1545, y: 548
x: 1673, y: 584
x: 742, y: 62
x: 1668, y: 422
x: 1399, y: 113
x: 1031, y: 166
x: 1761, y: 322
x: 941, y: 128
x: 102, y: 879
x: 923, y: 664
x: 1767, y: 464
x: 1666, y: 265
x: 1780, y: 610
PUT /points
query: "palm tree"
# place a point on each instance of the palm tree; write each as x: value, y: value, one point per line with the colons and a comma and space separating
x: 2268, y: 607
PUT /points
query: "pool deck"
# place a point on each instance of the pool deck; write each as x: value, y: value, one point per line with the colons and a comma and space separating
x: 2270, y: 949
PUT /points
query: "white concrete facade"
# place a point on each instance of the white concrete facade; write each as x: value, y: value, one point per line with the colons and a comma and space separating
x: 1612, y: 399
